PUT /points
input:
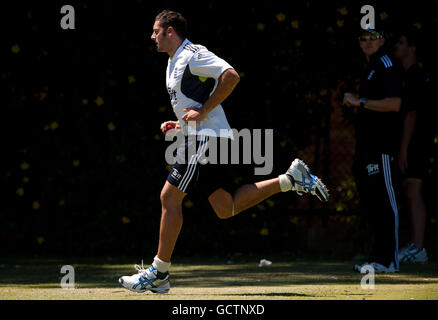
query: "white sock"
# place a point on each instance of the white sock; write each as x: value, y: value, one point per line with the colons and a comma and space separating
x: 285, y: 183
x: 160, y: 265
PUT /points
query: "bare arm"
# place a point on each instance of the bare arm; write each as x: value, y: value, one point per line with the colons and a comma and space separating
x: 384, y: 105
x: 226, y: 84
x: 408, y: 130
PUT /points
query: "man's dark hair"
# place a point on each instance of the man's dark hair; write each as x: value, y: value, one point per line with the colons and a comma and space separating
x: 173, y: 19
x: 412, y: 36
x: 415, y: 39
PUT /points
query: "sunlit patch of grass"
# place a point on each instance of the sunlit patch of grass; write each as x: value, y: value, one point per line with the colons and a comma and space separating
x: 40, y: 279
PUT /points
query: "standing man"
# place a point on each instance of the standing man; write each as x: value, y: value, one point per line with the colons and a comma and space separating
x: 412, y: 154
x: 198, y: 82
x: 377, y: 128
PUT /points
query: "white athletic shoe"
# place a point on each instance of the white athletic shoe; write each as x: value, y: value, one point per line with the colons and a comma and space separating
x: 378, y: 268
x: 145, y: 279
x: 412, y: 254
x: 299, y: 173
x: 403, y: 251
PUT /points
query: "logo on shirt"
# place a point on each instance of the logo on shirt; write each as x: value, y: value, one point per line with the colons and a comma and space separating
x: 371, y: 74
x: 172, y: 93
x: 175, y: 72
x: 373, y: 169
x: 175, y: 174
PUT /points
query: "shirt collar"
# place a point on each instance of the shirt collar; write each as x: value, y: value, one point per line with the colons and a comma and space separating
x: 180, y: 48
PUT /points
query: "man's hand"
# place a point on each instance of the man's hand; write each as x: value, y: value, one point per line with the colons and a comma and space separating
x: 403, y: 160
x: 350, y: 100
x: 165, y: 126
x: 194, y: 114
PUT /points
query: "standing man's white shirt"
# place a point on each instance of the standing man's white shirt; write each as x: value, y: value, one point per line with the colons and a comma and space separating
x: 191, y: 77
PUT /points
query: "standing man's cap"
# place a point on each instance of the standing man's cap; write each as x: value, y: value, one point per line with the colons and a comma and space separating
x: 378, y: 34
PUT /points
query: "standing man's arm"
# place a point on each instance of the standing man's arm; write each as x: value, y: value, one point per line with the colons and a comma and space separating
x: 414, y: 97
x: 408, y: 130
x: 226, y: 84
x: 391, y: 104
x: 392, y: 90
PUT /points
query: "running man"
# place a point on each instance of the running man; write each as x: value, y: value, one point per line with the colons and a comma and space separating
x: 198, y: 82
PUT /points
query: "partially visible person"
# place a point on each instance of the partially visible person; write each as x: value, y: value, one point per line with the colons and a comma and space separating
x: 412, y: 158
x: 377, y: 127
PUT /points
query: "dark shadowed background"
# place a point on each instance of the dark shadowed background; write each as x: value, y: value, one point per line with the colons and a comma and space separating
x: 82, y: 156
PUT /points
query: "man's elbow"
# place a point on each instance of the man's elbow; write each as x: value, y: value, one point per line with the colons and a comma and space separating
x: 396, y: 104
x: 233, y: 76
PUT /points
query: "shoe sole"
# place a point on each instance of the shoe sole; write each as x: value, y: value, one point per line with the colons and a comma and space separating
x: 413, y: 262
x: 160, y: 291
x: 166, y: 289
x: 321, y: 190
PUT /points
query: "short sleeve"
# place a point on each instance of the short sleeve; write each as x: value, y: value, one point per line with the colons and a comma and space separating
x: 392, y: 80
x: 417, y: 92
x: 413, y: 95
x: 206, y: 64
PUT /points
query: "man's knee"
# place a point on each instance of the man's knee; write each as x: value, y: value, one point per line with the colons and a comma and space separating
x: 164, y: 196
x: 223, y: 213
x: 222, y: 204
x: 412, y: 188
x: 171, y: 195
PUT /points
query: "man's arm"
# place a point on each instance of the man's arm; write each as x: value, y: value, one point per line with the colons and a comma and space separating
x: 408, y: 130
x: 383, y: 105
x: 226, y: 84
x: 392, y: 91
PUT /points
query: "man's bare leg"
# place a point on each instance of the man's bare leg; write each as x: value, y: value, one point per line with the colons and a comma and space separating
x: 226, y: 205
x: 171, y: 220
x: 417, y: 209
x: 156, y: 278
x: 249, y: 195
x: 297, y: 178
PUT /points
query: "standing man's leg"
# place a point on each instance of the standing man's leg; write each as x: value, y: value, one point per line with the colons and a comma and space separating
x: 413, y: 195
x: 379, y: 199
x: 386, y: 217
x: 413, y: 192
x: 415, y: 251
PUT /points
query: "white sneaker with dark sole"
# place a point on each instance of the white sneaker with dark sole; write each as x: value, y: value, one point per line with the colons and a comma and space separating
x: 412, y: 254
x: 146, y: 279
x: 303, y: 181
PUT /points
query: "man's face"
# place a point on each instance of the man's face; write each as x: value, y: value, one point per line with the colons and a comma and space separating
x: 159, y: 37
x: 402, y: 48
x: 368, y: 45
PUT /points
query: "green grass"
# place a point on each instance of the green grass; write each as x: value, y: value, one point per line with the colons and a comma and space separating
x: 301, y: 279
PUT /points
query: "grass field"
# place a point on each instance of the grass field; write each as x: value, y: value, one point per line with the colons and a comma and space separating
x: 299, y: 279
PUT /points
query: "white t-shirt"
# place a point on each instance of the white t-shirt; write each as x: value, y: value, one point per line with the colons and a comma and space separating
x: 191, y: 77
